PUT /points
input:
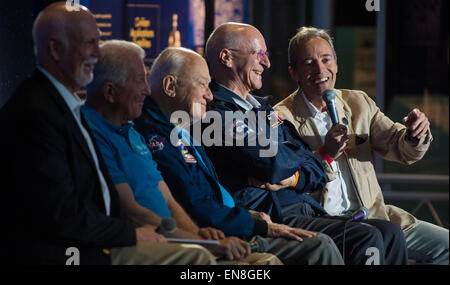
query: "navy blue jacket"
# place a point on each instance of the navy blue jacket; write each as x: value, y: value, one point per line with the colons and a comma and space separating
x: 234, y: 164
x: 191, y: 184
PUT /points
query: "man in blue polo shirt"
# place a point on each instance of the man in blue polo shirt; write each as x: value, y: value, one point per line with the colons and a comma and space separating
x: 142, y: 174
x: 114, y: 99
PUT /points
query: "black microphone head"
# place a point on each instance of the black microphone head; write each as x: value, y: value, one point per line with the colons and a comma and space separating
x: 167, y: 225
x: 329, y: 96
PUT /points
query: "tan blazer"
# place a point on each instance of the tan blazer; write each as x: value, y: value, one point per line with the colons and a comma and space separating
x: 369, y: 131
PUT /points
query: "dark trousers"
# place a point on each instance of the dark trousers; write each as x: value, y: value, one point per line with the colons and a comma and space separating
x: 319, y: 250
x: 367, y: 242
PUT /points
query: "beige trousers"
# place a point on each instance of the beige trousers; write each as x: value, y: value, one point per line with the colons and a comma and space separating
x: 150, y: 253
x: 255, y: 259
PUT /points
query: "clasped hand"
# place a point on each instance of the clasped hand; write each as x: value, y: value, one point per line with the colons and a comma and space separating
x: 336, y: 141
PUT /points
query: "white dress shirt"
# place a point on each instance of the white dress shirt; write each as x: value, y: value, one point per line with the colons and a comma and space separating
x: 74, y: 103
x: 341, y: 194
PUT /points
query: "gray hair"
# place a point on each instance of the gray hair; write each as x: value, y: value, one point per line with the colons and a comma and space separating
x: 113, y: 63
x: 172, y: 61
x: 303, y: 35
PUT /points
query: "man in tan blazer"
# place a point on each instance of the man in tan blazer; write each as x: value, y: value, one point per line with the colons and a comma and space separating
x: 363, y: 129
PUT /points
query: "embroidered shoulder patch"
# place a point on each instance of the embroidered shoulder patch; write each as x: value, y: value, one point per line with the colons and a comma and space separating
x: 274, y: 119
x: 155, y: 143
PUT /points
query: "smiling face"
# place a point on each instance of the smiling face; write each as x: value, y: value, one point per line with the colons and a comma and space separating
x: 250, y: 60
x: 81, y: 53
x: 193, y: 91
x: 130, y: 98
x: 316, y: 67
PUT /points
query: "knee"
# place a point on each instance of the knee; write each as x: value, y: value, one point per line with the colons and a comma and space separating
x: 329, y: 248
x: 324, y: 239
x: 391, y: 232
x: 202, y: 256
x: 392, y: 228
x: 374, y: 236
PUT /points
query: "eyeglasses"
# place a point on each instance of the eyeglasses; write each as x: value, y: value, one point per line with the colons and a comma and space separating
x: 260, y: 54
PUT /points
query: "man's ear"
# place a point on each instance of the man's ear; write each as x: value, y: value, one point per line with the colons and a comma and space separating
x: 109, y: 92
x: 292, y: 73
x: 225, y: 57
x: 169, y: 85
x: 56, y: 49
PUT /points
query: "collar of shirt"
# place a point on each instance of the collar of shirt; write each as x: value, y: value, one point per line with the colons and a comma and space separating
x: 103, y: 123
x: 323, y: 116
x: 72, y: 100
x: 247, y: 105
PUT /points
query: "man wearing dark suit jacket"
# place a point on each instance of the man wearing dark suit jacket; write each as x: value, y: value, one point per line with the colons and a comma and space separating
x: 58, y: 203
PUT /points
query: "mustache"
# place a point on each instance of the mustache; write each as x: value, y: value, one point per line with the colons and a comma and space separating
x: 91, y: 60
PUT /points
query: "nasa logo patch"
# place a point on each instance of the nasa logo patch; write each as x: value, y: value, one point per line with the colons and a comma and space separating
x: 155, y: 143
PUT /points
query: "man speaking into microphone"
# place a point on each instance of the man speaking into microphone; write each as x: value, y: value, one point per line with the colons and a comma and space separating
x: 278, y: 185
x: 346, y: 146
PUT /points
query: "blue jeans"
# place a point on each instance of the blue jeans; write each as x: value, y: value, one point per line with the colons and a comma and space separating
x: 428, y: 243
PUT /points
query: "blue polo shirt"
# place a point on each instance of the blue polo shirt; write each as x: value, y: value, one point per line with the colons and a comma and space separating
x: 128, y: 160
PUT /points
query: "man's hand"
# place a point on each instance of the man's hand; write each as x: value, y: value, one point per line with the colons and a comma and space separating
x: 211, y: 233
x: 336, y: 141
x: 288, y: 182
x: 261, y: 215
x: 417, y: 123
x: 279, y: 230
x: 147, y: 233
x: 234, y: 248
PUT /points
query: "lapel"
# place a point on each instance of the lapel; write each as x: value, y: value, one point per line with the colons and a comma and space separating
x: 306, y: 128
x: 79, y: 138
x: 75, y: 132
x: 202, y: 161
x: 208, y: 168
x: 345, y: 118
x: 67, y: 115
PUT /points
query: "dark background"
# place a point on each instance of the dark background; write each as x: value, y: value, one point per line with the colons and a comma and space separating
x: 416, y: 66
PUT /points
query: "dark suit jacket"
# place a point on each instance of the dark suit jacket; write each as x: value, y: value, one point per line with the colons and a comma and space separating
x: 51, y: 197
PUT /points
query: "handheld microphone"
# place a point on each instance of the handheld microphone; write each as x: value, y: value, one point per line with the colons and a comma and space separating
x: 360, y: 214
x: 258, y: 244
x: 329, y: 96
x: 330, y: 99
x: 167, y: 226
